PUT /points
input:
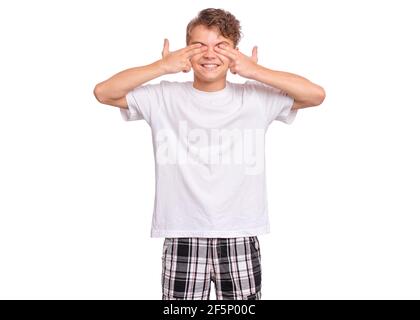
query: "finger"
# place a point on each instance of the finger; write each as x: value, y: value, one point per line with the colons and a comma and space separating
x: 165, y: 50
x: 195, y: 51
x: 255, y: 54
x: 232, y: 68
x: 187, y: 68
x: 227, y: 51
x: 192, y: 47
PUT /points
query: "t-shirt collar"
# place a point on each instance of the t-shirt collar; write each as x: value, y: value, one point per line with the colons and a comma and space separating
x: 219, y: 94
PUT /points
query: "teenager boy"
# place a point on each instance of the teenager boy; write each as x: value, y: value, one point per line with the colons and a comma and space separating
x: 208, y: 139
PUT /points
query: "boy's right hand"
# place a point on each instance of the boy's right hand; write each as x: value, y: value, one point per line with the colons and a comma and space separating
x: 179, y: 60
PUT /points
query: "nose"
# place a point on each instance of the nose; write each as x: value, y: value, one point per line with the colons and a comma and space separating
x: 209, y: 53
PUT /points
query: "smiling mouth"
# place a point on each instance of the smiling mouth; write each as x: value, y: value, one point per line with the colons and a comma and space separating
x: 209, y: 66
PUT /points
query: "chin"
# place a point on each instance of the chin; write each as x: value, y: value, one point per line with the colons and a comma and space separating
x: 212, y: 75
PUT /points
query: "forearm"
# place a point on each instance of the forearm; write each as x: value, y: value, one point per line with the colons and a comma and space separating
x: 300, y: 88
x: 121, y: 83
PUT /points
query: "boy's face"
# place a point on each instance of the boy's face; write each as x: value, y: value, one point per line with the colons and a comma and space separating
x: 209, y: 66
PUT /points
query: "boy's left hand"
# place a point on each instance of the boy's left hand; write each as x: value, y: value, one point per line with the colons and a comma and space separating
x: 240, y: 64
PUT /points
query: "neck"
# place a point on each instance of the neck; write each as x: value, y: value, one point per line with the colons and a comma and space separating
x: 209, y: 85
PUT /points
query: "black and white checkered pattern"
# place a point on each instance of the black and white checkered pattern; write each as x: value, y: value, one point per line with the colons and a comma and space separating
x: 190, y: 264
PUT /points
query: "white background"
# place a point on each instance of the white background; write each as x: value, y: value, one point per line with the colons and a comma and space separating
x: 77, y: 182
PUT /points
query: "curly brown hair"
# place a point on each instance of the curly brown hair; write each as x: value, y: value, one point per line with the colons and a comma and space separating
x: 223, y: 20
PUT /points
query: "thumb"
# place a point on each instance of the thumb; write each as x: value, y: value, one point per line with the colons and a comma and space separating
x: 165, y: 50
x: 255, y: 53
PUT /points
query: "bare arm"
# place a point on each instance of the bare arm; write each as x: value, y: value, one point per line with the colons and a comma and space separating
x: 113, y: 90
x: 304, y: 92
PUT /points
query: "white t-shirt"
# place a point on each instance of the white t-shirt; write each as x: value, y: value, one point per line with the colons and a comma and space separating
x: 209, y: 155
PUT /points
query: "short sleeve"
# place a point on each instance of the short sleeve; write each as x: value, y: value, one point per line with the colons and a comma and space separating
x: 142, y: 102
x: 276, y: 103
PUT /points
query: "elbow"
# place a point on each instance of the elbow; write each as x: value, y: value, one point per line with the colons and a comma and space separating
x: 319, y: 96
x: 97, y: 93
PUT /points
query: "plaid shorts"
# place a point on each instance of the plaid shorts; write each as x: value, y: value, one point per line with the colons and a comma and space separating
x: 190, y: 264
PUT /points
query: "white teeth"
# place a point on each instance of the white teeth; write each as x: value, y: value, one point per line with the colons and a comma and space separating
x: 209, y: 66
